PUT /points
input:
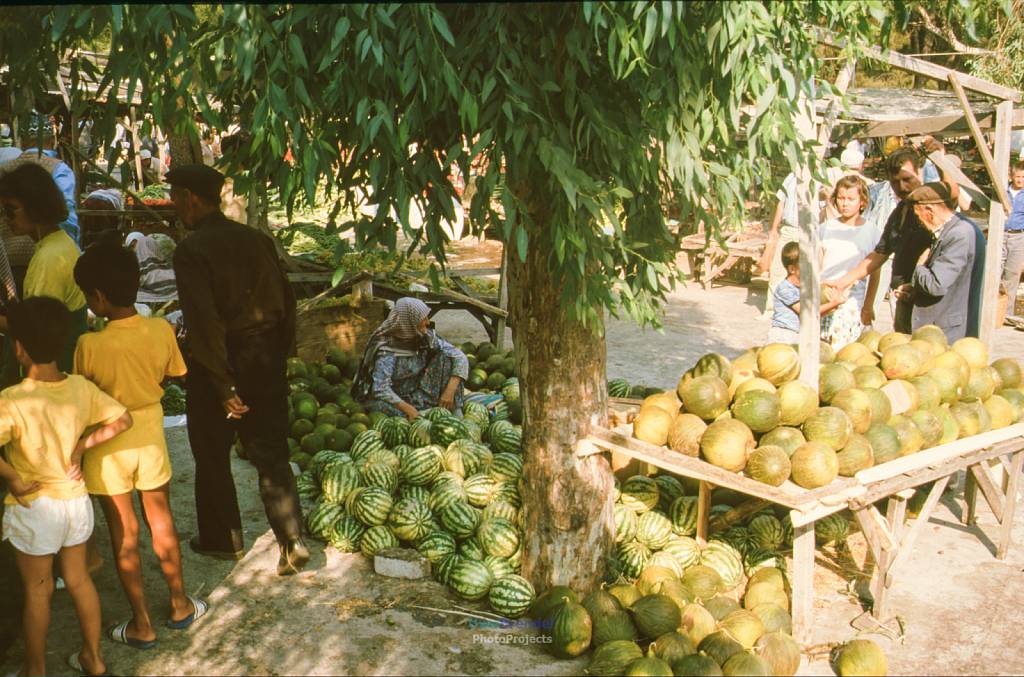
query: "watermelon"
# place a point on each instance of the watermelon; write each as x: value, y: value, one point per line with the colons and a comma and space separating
x: 372, y: 505
x: 507, y: 440
x: 346, y: 534
x: 436, y: 545
x: 320, y: 519
x: 498, y: 536
x: 410, y: 519
x: 509, y: 493
x: 444, y: 494
x: 446, y: 566
x: 393, y: 431
x: 654, y: 529
x: 684, y: 550
x: 471, y: 579
x: 640, y: 493
x: 631, y: 558
x: 669, y: 489
x: 683, y: 514
x: 725, y: 560
x: 460, y: 459
x: 511, y: 596
x: 365, y: 442
x: 618, y: 387
x: 506, y: 467
x: 460, y: 519
x: 501, y: 509
x: 419, y: 434
x: 500, y: 566
x: 479, y: 489
x: 379, y: 475
x: 766, y: 532
x: 376, y: 539
x: 421, y: 466
x: 833, y: 528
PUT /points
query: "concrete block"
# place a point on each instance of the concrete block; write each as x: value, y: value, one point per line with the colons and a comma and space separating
x: 401, y: 563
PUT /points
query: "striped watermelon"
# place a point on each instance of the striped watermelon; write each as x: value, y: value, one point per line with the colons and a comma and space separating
x: 766, y: 532
x: 339, y: 480
x: 444, y: 495
x: 639, y: 493
x: 500, y: 411
x: 499, y: 566
x: 726, y: 560
x: 497, y: 428
x: 320, y: 460
x: 625, y: 523
x: 833, y: 528
x: 436, y: 545
x: 685, y: 551
x: 471, y: 549
x: 445, y: 566
x: 501, y: 509
x: 418, y: 493
x: 461, y: 459
x: 473, y: 430
x: 738, y: 537
x: 509, y: 493
x: 759, y: 559
x: 421, y: 467
x: 669, y: 489
x: 618, y: 387
x: 410, y: 520
x: 320, y: 519
x: 384, y: 457
x: 372, y: 506
x: 350, y: 500
x: 667, y: 561
x: 510, y: 389
x: 402, y: 452
x: 394, y: 430
x: 632, y: 557
x: 683, y: 514
x: 446, y: 431
x: 346, y: 534
x: 506, y: 467
x: 471, y: 579
x: 498, y: 536
x: 511, y: 596
x: 418, y: 434
x: 654, y: 529
x: 476, y: 412
x: 307, y: 487
x: 437, y: 414
x: 507, y: 441
x: 479, y: 489
x: 364, y: 443
x: 460, y: 519
x: 380, y: 475
x: 516, y: 560
x: 376, y: 539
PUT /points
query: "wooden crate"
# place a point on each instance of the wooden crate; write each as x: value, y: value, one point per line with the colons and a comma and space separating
x: 317, y: 330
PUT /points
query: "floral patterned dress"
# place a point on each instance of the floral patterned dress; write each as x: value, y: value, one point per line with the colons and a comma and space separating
x: 416, y: 376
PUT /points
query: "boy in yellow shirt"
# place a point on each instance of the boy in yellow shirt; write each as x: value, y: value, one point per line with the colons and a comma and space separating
x: 48, y: 514
x: 128, y: 360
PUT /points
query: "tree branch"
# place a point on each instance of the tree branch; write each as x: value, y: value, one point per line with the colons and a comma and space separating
x: 946, y: 33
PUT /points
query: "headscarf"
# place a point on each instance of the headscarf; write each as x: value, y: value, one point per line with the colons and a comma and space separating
x: 398, y: 333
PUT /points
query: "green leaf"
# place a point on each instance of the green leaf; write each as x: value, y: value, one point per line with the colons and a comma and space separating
x: 340, y: 31
x: 298, y: 55
x: 441, y: 24
x: 522, y: 239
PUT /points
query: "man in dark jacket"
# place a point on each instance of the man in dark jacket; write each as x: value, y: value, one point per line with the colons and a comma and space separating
x: 239, y: 314
x: 940, y: 287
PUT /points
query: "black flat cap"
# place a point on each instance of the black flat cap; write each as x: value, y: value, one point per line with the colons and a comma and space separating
x: 204, y: 181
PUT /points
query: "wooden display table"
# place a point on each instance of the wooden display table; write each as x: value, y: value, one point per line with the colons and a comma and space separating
x: 889, y: 540
x: 709, y: 260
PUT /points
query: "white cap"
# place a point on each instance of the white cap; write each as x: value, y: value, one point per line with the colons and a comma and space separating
x: 852, y: 158
x: 145, y: 155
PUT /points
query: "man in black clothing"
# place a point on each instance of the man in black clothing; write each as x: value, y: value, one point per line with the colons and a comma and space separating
x: 239, y: 314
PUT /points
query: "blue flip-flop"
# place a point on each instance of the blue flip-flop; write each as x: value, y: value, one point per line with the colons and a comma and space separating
x: 119, y: 633
x: 200, y: 607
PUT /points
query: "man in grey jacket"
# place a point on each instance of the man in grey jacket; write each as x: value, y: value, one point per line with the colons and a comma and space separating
x: 941, y: 284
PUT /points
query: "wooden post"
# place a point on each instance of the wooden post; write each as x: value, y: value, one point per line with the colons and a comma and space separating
x: 137, y: 148
x: 1010, y: 507
x: 499, y: 325
x: 991, y: 166
x: 703, y: 510
x: 881, y: 581
x: 803, y: 581
x: 970, y: 513
x: 998, y: 214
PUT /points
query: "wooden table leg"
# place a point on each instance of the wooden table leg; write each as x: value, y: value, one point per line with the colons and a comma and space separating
x: 1010, y: 507
x: 703, y: 510
x: 882, y: 581
x: 803, y: 582
x: 970, y: 499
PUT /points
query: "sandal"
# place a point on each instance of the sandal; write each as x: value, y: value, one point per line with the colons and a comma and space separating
x: 119, y: 633
x: 75, y: 663
x: 200, y: 608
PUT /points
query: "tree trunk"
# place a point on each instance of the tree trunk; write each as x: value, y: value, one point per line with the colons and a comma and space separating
x: 569, y: 528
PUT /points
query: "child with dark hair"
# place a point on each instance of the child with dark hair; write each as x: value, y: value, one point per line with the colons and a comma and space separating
x: 786, y: 300
x: 129, y: 359
x: 48, y: 513
x: 34, y: 206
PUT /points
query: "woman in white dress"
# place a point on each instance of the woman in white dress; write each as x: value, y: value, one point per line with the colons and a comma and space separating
x: 846, y: 240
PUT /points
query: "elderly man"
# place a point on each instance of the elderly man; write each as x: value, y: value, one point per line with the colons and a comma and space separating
x: 1013, y: 242
x: 940, y: 286
x: 239, y: 314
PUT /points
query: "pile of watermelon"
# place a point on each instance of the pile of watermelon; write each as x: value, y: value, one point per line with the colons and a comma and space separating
x: 620, y: 387
x: 751, y: 415
x: 446, y: 486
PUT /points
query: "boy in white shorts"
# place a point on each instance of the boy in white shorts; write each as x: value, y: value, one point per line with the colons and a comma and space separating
x: 43, y: 420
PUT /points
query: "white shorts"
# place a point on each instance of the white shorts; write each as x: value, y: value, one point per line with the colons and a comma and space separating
x: 48, y: 524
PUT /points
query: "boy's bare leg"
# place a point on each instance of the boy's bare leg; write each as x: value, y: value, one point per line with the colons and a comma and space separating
x: 75, y: 570
x: 37, y: 576
x: 94, y: 559
x: 124, y: 541
x: 156, y: 506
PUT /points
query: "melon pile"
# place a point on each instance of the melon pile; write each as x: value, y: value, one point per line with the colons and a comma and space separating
x: 447, y: 487
x: 753, y: 416
x: 620, y: 387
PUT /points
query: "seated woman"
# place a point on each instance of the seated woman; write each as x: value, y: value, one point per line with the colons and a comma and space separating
x: 157, y: 284
x: 407, y: 368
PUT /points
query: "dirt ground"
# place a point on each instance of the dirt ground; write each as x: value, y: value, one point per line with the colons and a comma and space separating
x: 958, y: 606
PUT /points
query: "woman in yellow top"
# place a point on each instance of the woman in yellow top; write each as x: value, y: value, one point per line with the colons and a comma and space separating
x: 34, y: 206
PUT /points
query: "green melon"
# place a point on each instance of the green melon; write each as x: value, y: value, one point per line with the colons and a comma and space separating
x: 778, y: 363
x: 753, y: 383
x: 685, y: 432
x: 696, y: 622
x: 971, y: 418
x: 720, y: 647
x: 652, y: 425
x: 649, y: 666
x: 861, y: 657
x: 697, y: 665
x: 758, y: 409
x: 615, y: 626
x: 727, y: 443
x: 1000, y: 411
x: 721, y: 606
x: 857, y: 405
x: 930, y: 426
x: 787, y: 438
x: 611, y: 659
x: 672, y: 646
x: 744, y: 626
x: 973, y: 351
x: 571, y: 631
x: 626, y: 593
x: 902, y: 361
x: 797, y: 401
x: 1015, y: 398
x: 746, y: 665
x: 704, y: 396
x: 769, y: 464
x: 1009, y: 372
x: 869, y: 377
x: 830, y: 425
x: 651, y: 577
x: 911, y: 439
x: 881, y: 407
x: 713, y: 364
x: 548, y: 602
x: 704, y: 581
x: 833, y: 378
x: 774, y: 618
x: 857, y: 353
x: 885, y: 443
x: 857, y: 455
x: 980, y: 385
x: 814, y: 464
x: 655, y: 615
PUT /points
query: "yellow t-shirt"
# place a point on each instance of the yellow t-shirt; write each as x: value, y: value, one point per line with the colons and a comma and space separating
x: 51, y: 272
x: 42, y: 421
x: 130, y: 358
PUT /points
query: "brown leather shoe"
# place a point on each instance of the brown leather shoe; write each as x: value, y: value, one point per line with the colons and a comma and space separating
x: 294, y: 557
x: 226, y: 555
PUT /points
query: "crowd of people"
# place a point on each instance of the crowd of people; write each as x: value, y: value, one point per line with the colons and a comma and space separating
x: 906, y: 238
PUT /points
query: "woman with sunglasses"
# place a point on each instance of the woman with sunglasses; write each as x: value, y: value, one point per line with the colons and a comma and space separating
x: 33, y: 205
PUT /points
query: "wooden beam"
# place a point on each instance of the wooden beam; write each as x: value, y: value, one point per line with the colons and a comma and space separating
x: 1010, y: 507
x: 921, y: 67
x: 803, y: 582
x: 996, y: 222
x: 992, y: 495
x: 979, y: 140
x: 952, y: 171
x: 906, y: 545
x: 473, y: 272
x: 936, y: 125
x: 499, y: 328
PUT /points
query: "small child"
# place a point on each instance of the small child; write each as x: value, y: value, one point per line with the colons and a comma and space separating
x: 48, y: 512
x: 128, y: 360
x: 786, y: 299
